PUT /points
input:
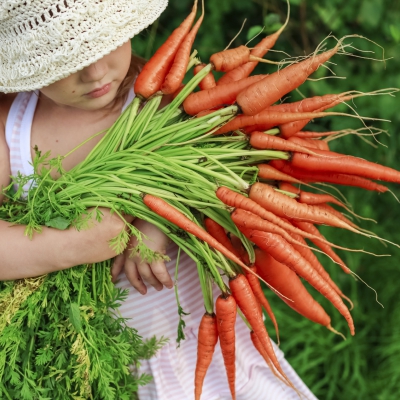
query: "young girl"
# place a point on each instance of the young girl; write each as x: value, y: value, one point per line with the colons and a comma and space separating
x: 70, y: 63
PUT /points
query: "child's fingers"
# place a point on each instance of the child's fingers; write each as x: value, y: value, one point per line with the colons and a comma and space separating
x: 147, y: 275
x: 117, y: 266
x: 161, y: 273
x: 133, y: 276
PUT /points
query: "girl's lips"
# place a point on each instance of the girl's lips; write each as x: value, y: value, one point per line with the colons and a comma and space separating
x: 94, y: 94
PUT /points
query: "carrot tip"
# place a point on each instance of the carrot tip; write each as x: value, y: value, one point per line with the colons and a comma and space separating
x: 337, y: 332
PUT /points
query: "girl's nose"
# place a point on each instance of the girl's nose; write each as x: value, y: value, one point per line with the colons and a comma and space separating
x: 94, y: 72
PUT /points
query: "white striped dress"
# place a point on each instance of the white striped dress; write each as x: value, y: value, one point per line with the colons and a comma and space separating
x: 156, y: 314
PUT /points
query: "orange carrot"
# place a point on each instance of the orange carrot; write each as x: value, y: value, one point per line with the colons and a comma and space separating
x: 237, y: 243
x: 152, y: 76
x: 259, y: 50
x: 227, y: 60
x: 313, y: 143
x: 266, y: 119
x: 216, y: 96
x: 321, y: 243
x: 248, y: 304
x: 225, y: 309
x: 339, y: 179
x: 291, y: 289
x: 338, y: 214
x: 178, y: 69
x: 171, y: 214
x: 207, y: 339
x: 247, y: 220
x: 266, y: 171
x: 340, y: 163
x: 237, y: 200
x: 260, y: 296
x: 314, y: 135
x: 309, y: 256
x: 260, y: 95
x: 261, y: 140
x: 286, y: 207
x: 208, y: 81
x: 284, y: 253
x: 218, y: 233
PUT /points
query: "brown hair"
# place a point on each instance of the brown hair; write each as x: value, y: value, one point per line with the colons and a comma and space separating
x: 135, y: 67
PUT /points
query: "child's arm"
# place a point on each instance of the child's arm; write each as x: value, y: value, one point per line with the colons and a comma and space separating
x: 51, y: 250
x: 138, y: 270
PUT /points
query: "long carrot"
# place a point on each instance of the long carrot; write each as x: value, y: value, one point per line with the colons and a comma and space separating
x: 267, y: 119
x: 207, y: 339
x: 340, y: 163
x: 237, y: 200
x: 171, y: 214
x: 248, y: 304
x: 339, y: 179
x: 313, y: 143
x: 216, y: 96
x: 218, y: 233
x: 286, y: 207
x: 311, y: 198
x: 260, y: 296
x: 291, y: 289
x: 227, y: 60
x: 152, y: 76
x: 259, y: 50
x: 208, y: 81
x: 267, y: 171
x: 321, y: 243
x: 260, y: 140
x: 225, y: 310
x: 260, y: 95
x: 178, y: 69
x: 309, y: 256
x: 283, y: 252
x: 247, y: 220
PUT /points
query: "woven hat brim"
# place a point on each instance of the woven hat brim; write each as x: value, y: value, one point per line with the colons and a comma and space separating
x: 48, y: 53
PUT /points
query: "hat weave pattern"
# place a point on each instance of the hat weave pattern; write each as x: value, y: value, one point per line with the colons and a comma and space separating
x: 43, y: 41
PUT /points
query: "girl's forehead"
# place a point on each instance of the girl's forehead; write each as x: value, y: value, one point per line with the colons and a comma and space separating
x: 43, y: 41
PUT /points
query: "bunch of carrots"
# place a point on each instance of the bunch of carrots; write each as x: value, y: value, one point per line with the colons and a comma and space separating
x: 251, y: 159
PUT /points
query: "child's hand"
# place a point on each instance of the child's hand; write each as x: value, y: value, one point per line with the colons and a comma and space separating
x: 138, y: 270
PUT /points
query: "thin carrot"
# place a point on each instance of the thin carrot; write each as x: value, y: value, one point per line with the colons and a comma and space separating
x: 237, y: 200
x: 259, y: 50
x: 218, y: 233
x: 291, y: 289
x: 248, y: 304
x: 237, y: 243
x: 260, y: 140
x: 247, y: 220
x: 340, y: 163
x: 266, y: 171
x: 217, y: 96
x: 314, y: 135
x: 309, y: 256
x: 260, y: 296
x: 260, y: 95
x: 339, y: 179
x: 207, y: 339
x: 321, y: 243
x: 227, y: 60
x: 313, y: 143
x: 152, y: 76
x: 225, y: 310
x: 171, y: 214
x: 286, y: 207
x: 208, y: 81
x: 284, y: 253
x: 178, y: 69
x: 267, y: 118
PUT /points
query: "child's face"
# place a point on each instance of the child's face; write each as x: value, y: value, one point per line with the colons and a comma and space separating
x: 95, y: 86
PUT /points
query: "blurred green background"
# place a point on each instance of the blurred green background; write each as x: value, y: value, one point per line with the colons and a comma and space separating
x: 366, y: 366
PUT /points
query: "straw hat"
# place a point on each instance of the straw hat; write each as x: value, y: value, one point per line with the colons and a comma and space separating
x: 43, y: 41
